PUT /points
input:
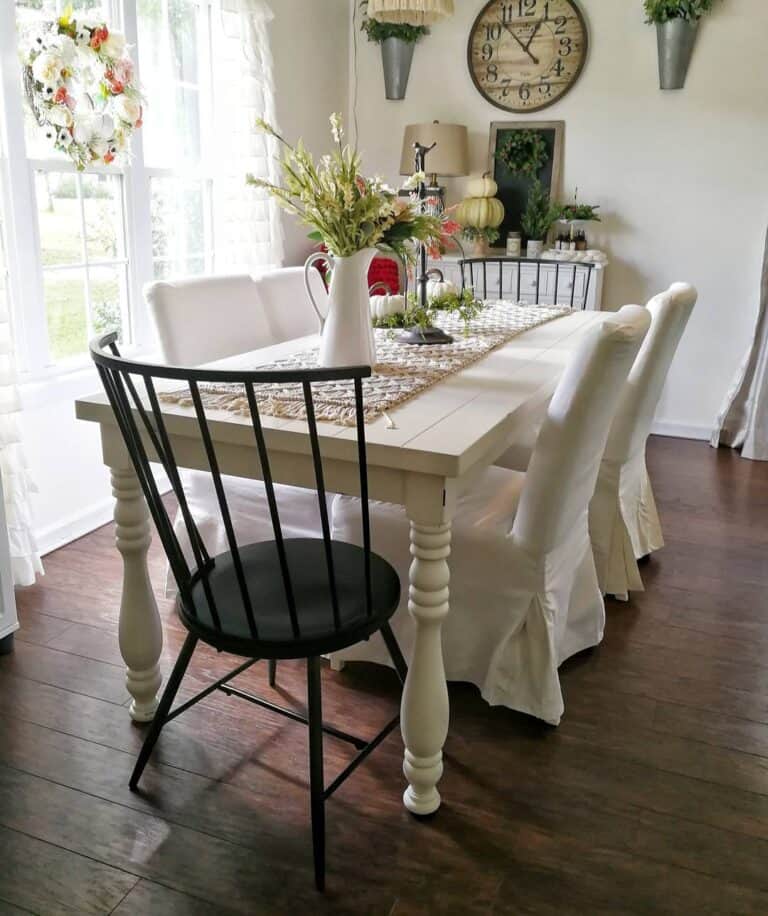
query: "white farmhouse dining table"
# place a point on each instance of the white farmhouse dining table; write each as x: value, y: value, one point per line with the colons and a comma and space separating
x: 423, y: 457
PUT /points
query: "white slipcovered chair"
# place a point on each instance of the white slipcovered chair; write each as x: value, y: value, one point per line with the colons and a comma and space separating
x: 204, y: 319
x: 623, y: 521
x: 524, y: 592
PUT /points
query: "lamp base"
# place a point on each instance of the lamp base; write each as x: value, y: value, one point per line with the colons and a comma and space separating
x: 424, y: 337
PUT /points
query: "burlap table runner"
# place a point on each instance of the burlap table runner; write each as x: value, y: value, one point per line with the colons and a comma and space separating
x: 402, y: 370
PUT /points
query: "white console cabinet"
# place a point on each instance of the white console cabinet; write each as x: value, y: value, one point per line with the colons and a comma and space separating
x: 561, y: 275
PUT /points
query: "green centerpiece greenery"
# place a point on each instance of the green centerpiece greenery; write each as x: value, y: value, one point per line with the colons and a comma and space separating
x: 464, y: 305
x: 583, y: 212
x: 540, y: 213
x: 660, y: 11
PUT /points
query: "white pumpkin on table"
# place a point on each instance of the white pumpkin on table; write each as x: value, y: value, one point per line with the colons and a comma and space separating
x: 386, y: 303
x: 438, y: 286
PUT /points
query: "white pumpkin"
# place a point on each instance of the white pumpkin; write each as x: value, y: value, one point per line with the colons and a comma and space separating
x: 482, y: 187
x: 480, y: 212
x: 438, y: 286
x: 383, y: 306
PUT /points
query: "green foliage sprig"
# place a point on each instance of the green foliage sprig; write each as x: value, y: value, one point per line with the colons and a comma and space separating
x: 472, y: 234
x: 540, y: 213
x: 660, y: 11
x: 381, y: 31
x: 464, y: 305
x: 584, y: 212
x: 523, y: 152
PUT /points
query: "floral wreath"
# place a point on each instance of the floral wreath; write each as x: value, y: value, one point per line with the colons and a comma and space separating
x: 523, y: 152
x: 80, y: 85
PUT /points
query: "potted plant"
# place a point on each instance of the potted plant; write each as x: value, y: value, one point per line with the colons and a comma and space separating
x: 397, y: 40
x: 676, y: 22
x: 540, y: 213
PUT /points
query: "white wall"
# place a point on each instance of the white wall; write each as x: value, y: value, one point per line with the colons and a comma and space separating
x: 681, y: 176
x: 310, y: 42
x: 310, y: 46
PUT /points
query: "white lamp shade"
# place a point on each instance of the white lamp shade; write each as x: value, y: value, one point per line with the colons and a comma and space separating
x: 412, y: 12
x: 449, y: 158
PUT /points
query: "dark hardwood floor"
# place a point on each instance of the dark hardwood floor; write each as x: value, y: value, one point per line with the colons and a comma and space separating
x: 651, y: 797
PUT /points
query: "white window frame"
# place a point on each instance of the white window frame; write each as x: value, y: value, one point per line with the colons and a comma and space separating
x: 24, y: 253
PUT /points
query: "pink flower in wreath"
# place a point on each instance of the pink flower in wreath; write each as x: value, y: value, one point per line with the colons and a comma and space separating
x: 98, y: 36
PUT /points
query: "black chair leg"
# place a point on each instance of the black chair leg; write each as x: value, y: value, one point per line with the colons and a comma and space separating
x: 394, y: 651
x: 272, y: 672
x: 164, y: 707
x: 316, y: 780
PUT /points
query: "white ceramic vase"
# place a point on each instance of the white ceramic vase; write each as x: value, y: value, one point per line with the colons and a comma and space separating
x: 346, y: 330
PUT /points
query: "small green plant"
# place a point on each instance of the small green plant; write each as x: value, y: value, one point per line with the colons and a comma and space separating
x: 381, y: 31
x: 659, y: 11
x: 584, y: 212
x: 473, y: 233
x: 540, y: 213
x: 523, y: 152
x: 464, y: 305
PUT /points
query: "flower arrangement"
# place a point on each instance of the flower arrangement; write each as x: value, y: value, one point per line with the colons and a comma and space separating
x: 344, y: 209
x: 80, y: 85
x: 660, y: 11
x: 523, y: 152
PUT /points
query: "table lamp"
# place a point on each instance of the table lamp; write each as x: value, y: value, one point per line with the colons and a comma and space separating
x: 448, y: 146
x: 411, y: 12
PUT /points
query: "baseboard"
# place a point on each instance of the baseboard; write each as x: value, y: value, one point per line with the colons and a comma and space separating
x: 75, y: 526
x: 680, y: 430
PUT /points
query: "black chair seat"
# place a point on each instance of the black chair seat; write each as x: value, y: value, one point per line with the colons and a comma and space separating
x: 312, y: 595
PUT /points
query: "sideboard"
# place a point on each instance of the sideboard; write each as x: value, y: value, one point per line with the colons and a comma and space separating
x: 546, y: 271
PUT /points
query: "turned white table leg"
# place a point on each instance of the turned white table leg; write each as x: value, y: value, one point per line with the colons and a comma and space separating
x: 140, y: 633
x: 424, y: 711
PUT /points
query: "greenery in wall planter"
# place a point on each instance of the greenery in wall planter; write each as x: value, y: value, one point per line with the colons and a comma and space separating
x: 676, y: 24
x: 397, y: 41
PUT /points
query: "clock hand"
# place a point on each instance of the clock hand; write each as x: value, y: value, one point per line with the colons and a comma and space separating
x: 514, y: 35
x: 534, y: 33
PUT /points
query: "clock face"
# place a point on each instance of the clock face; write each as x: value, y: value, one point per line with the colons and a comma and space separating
x: 526, y: 54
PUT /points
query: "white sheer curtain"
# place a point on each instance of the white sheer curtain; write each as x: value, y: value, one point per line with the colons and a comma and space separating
x: 17, y: 486
x: 246, y: 221
x: 743, y: 421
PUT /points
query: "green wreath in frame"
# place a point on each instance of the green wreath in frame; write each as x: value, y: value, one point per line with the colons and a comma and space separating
x: 523, y: 152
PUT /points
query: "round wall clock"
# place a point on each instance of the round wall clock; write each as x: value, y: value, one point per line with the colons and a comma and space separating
x: 526, y: 54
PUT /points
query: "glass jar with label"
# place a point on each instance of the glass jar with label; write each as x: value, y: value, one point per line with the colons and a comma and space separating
x: 514, y: 244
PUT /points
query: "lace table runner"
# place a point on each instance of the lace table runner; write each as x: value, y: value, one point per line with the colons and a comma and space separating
x: 402, y: 370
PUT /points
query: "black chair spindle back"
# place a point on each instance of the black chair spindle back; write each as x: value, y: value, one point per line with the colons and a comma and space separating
x: 486, y: 276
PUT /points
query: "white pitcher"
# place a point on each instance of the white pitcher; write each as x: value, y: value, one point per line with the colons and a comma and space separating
x: 347, y: 333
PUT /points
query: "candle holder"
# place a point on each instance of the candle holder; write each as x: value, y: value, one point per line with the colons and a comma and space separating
x: 423, y: 336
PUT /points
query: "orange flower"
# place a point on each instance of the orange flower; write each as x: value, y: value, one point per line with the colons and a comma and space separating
x: 61, y: 95
x: 98, y: 36
x: 109, y: 157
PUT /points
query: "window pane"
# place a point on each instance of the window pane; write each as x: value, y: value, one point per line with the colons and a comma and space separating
x: 170, y: 73
x: 178, y: 223
x: 66, y: 310
x: 107, y: 299
x: 58, y: 213
x: 102, y: 205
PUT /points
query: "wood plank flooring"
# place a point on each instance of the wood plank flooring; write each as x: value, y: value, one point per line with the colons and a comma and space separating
x: 651, y: 797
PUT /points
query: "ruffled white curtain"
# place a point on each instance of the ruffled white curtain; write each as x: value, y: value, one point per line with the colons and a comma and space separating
x: 17, y: 486
x: 247, y: 223
x: 743, y: 421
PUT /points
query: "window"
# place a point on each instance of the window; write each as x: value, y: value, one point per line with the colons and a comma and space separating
x: 88, y: 242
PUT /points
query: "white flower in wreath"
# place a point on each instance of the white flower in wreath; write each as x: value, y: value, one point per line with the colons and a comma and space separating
x: 83, y: 34
x: 63, y: 137
x: 47, y: 67
x: 127, y: 110
x: 64, y: 47
x: 114, y: 45
x: 93, y: 129
x: 60, y: 115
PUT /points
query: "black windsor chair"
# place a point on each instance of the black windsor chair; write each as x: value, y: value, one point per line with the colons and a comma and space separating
x: 286, y: 598
x: 564, y: 282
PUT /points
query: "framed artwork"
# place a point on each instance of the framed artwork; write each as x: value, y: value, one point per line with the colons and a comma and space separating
x: 517, y: 159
